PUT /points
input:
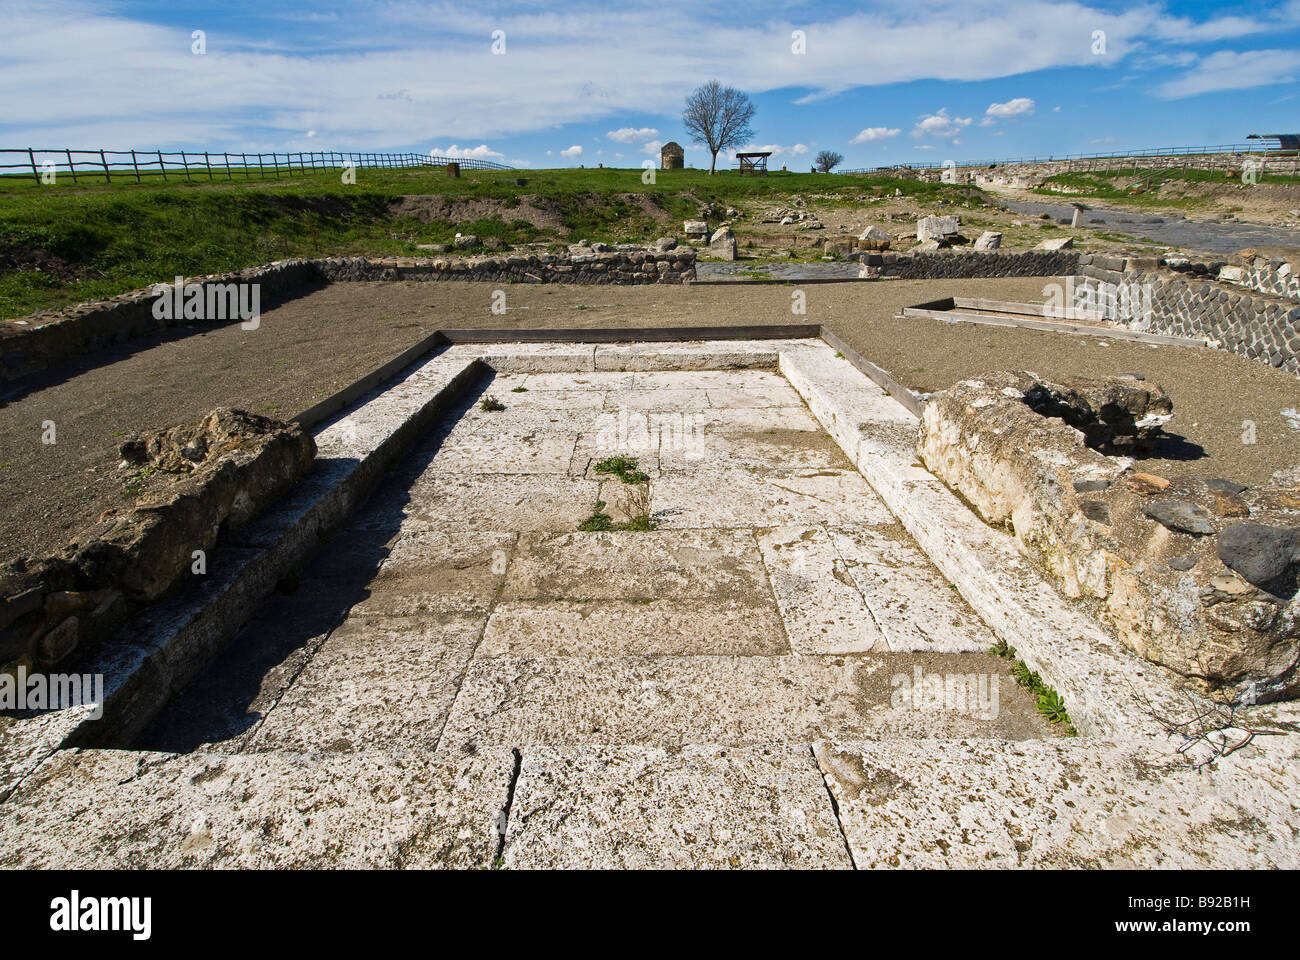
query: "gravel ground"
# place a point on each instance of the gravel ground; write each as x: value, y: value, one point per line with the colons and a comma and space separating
x: 318, y: 343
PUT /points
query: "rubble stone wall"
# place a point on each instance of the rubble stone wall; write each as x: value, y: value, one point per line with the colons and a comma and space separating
x: 208, y: 477
x: 1188, y: 300
x: 944, y: 264
x: 43, y: 339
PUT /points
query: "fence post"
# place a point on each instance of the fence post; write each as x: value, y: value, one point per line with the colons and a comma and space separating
x: 186, y: 164
x: 275, y: 164
x: 108, y: 177
x: 207, y: 162
x: 261, y: 171
x: 71, y: 166
x: 162, y: 167
x: 36, y: 174
x: 135, y: 166
x: 227, y: 158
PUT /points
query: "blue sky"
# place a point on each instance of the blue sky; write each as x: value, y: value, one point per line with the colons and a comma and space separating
x: 602, y: 82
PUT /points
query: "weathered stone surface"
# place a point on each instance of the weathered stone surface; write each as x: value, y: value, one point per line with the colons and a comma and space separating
x: 375, y: 680
x: 700, y: 807
x: 1057, y: 243
x: 1181, y: 516
x: 874, y: 238
x: 986, y: 440
x: 124, y: 810
x: 723, y: 244
x: 1267, y: 556
x: 937, y: 228
x: 695, y: 228
x: 209, y: 477
x: 988, y: 240
x: 981, y: 804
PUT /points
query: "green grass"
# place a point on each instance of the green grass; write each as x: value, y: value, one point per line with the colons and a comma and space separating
x: 491, y: 404
x: 105, y: 239
x: 600, y: 522
x: 625, y: 468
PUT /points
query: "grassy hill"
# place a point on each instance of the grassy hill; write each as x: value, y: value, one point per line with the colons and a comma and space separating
x: 64, y: 243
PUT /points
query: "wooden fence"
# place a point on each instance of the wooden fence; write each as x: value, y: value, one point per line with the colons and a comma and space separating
x: 135, y: 165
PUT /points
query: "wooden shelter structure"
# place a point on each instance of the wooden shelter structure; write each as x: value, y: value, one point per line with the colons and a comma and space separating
x: 753, y: 164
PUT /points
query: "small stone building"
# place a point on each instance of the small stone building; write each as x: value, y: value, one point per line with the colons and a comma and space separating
x: 672, y: 156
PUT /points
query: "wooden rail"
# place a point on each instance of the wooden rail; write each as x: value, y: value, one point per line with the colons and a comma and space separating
x: 46, y: 166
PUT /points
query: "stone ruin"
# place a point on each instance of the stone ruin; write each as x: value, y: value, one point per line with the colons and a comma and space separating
x: 207, y: 478
x: 1199, y: 576
x: 672, y: 156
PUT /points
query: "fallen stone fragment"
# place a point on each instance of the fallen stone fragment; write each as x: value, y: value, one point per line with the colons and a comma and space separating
x: 1181, y: 516
x: 1265, y: 555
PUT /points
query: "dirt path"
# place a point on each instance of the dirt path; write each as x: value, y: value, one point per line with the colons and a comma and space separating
x: 317, y: 344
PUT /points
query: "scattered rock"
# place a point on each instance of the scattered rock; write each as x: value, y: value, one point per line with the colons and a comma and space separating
x: 465, y: 241
x: 696, y: 228
x: 1057, y: 243
x: 1266, y: 556
x: 874, y: 238
x: 988, y: 240
x: 1096, y: 511
x: 937, y: 227
x: 723, y: 244
x: 1181, y: 516
x: 1148, y: 483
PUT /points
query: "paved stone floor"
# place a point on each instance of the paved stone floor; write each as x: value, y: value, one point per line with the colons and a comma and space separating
x: 464, y: 678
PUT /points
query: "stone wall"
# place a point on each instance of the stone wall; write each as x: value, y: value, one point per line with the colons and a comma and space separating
x: 943, y: 264
x: 1199, y: 576
x: 1183, y: 298
x: 206, y: 478
x: 618, y: 266
x: 38, y: 341
x: 43, y: 339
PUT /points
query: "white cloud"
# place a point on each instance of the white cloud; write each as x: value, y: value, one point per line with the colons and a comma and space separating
x: 872, y: 134
x: 776, y: 149
x: 940, y: 125
x: 654, y: 146
x: 481, y: 152
x: 1012, y: 108
x: 632, y: 134
x: 253, y: 91
x: 572, y: 153
x: 1230, y: 70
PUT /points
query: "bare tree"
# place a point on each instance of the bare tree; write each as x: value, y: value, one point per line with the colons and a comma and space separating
x: 828, y: 160
x: 718, y: 117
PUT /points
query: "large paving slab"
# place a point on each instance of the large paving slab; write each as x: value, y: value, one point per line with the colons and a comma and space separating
x: 698, y: 807
x: 696, y: 565
x: 823, y: 609
x: 748, y: 498
x: 1064, y: 803
x: 670, y: 701
x: 500, y: 502
x: 117, y: 809
x: 374, y: 681
x: 612, y: 628
x: 916, y: 607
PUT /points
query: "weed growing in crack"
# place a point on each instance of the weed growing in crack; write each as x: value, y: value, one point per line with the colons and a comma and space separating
x: 491, y: 404
x: 1049, y: 703
x: 622, y: 467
